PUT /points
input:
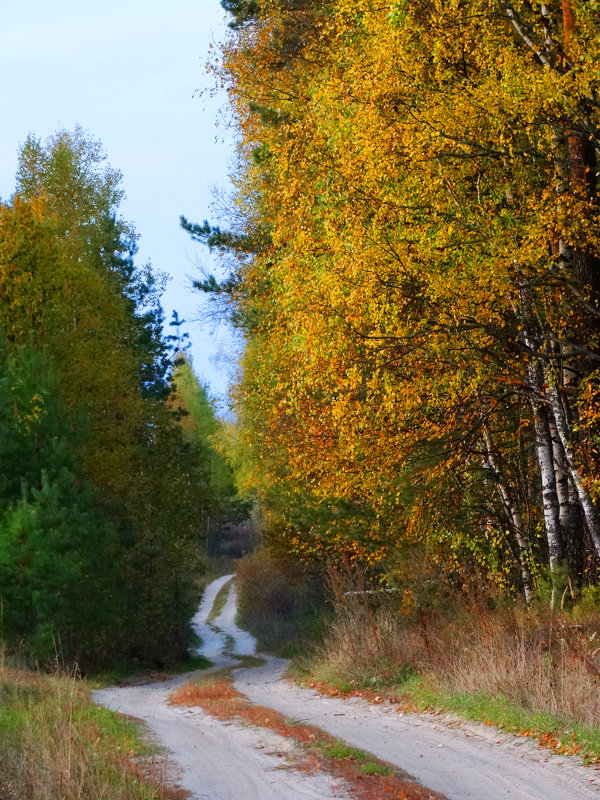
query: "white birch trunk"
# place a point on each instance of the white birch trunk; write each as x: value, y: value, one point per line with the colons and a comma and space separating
x: 514, y: 515
x: 545, y: 456
x: 563, y: 488
x: 590, y: 512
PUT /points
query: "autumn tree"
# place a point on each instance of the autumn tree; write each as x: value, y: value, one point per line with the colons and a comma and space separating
x: 423, y: 315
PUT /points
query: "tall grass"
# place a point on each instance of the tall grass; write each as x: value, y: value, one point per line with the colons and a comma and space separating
x: 54, y: 743
x: 543, y: 662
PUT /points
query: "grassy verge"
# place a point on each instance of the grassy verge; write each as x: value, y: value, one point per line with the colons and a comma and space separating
x: 523, y: 671
x: 54, y: 742
x: 366, y: 777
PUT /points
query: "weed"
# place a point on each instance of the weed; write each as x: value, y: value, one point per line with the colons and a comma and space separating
x: 56, y: 743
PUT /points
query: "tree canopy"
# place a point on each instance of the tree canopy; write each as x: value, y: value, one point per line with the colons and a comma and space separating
x: 100, y: 506
x: 421, y: 371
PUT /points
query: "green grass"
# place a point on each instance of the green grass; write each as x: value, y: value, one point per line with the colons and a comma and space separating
x: 376, y: 769
x: 190, y: 664
x: 220, y: 601
x: 380, y: 678
x: 340, y: 750
x: 499, y: 712
x: 503, y: 714
x: 54, y: 742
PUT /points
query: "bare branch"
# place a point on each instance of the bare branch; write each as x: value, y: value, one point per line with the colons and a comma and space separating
x: 517, y: 26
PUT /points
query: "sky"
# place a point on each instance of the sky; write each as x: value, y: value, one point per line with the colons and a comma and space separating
x: 132, y: 74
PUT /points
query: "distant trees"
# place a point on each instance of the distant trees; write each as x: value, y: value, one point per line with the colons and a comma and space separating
x: 205, y: 436
x: 99, y: 507
x: 422, y: 363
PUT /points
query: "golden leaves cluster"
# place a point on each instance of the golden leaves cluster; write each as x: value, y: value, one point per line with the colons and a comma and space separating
x: 404, y: 161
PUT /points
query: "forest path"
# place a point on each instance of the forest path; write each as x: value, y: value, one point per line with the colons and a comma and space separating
x: 219, y: 760
x: 212, y: 759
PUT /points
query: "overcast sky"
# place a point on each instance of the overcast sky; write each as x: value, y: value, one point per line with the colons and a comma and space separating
x: 130, y: 73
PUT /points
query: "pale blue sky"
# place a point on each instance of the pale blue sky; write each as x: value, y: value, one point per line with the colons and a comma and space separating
x: 129, y: 72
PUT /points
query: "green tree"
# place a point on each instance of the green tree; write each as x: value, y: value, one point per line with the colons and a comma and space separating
x: 242, y: 11
x: 71, y: 288
x: 59, y: 562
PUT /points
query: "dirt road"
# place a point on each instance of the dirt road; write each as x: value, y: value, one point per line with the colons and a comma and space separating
x: 217, y: 760
x: 223, y: 761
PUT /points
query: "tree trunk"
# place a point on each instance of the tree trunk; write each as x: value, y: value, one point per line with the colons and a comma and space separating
x: 514, y: 515
x: 545, y: 456
x: 567, y: 512
x: 590, y: 512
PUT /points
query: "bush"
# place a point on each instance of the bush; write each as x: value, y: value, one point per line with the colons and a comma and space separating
x: 281, y: 603
x: 539, y: 660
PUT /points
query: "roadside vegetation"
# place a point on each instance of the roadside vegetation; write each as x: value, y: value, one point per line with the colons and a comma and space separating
x: 414, y: 260
x: 57, y: 744
x: 530, y: 670
x: 111, y: 486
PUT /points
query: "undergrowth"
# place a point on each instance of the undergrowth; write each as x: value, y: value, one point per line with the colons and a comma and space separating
x: 533, y: 671
x: 126, y: 674
x: 283, y: 604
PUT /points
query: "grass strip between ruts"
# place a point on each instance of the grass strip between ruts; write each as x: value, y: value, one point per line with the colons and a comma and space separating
x: 366, y: 777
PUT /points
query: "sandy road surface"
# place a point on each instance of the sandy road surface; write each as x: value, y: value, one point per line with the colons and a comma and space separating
x: 221, y: 761
x: 217, y: 760
x: 472, y: 762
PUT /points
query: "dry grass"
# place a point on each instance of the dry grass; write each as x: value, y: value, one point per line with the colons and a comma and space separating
x: 54, y: 743
x: 541, y: 663
x: 533, y: 671
x: 368, y: 643
x: 218, y: 697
